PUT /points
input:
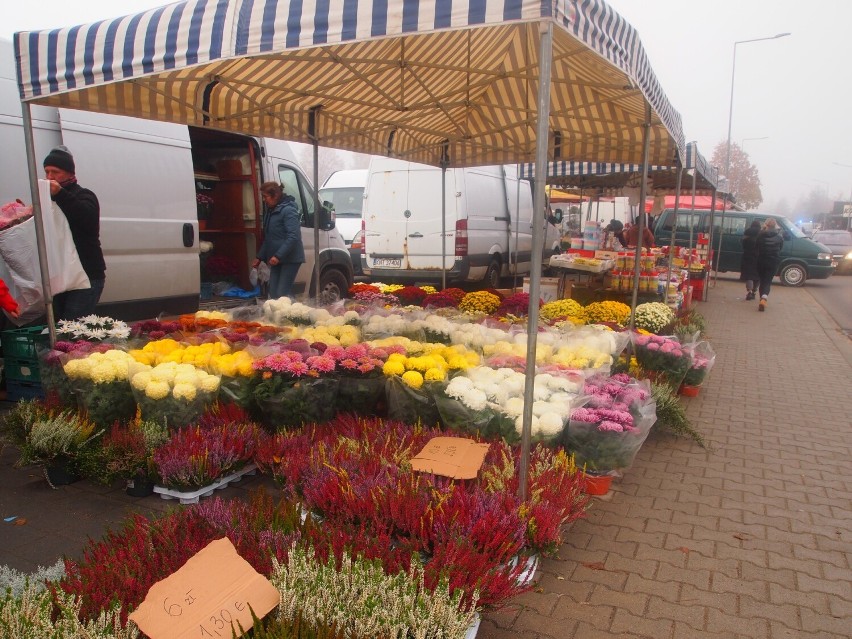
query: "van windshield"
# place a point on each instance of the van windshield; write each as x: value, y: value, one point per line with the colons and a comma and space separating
x: 347, y: 201
x: 791, y: 228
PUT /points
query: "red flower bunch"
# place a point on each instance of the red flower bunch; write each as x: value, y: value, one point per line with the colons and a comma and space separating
x: 154, y: 329
x: 442, y: 299
x: 410, y: 295
x: 219, y: 268
x: 363, y: 289
x: 456, y: 293
x: 517, y: 305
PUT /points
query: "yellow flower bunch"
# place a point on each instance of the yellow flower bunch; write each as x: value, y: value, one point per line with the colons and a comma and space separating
x: 570, y: 321
x: 334, y: 335
x: 182, y: 381
x: 213, y: 315
x: 238, y: 364
x: 389, y: 288
x: 168, y: 350
x: 561, y: 308
x: 428, y: 289
x: 543, y: 352
x: 413, y: 379
x: 431, y: 367
x: 408, y: 344
x: 100, y: 368
x: 608, y: 311
x: 458, y: 356
x: 154, y: 352
x: 479, y: 302
x: 581, y: 357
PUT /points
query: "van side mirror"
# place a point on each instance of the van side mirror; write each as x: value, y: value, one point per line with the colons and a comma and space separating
x: 327, y: 217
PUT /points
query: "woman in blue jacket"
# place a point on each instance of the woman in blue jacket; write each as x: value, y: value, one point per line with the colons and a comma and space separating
x: 282, y: 240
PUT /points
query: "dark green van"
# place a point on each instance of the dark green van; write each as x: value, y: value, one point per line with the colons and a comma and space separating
x: 801, y: 257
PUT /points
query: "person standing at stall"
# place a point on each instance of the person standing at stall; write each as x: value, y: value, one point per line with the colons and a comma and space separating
x: 748, y: 264
x: 769, y: 245
x: 282, y: 240
x: 83, y: 212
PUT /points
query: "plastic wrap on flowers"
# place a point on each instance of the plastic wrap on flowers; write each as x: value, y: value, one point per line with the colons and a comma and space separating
x: 360, y: 395
x: 703, y: 358
x: 292, y: 403
x: 238, y: 390
x: 607, y: 431
x: 174, y: 395
x: 105, y: 402
x: 461, y: 418
x: 410, y: 405
x: 664, y: 359
x: 54, y: 382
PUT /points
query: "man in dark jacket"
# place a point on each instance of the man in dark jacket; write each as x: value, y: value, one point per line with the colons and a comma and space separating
x: 83, y: 213
x: 769, y: 245
x: 748, y: 265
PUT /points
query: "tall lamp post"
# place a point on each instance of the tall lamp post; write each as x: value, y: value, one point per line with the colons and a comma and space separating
x: 728, y: 147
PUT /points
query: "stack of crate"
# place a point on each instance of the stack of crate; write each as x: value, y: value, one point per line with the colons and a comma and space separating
x: 20, y: 360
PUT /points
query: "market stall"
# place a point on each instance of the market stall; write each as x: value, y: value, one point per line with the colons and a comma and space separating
x: 370, y: 80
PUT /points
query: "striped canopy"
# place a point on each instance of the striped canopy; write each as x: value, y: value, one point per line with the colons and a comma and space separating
x: 608, y: 175
x: 423, y: 80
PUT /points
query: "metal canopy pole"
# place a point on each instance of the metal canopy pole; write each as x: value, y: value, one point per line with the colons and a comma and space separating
x: 543, y: 112
x: 691, y: 225
x: 445, y: 162
x: 646, y: 145
x: 312, y: 131
x: 674, y: 224
x: 710, y: 246
x: 39, y: 221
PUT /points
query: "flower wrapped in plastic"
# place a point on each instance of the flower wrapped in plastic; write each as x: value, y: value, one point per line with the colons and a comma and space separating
x: 172, y: 394
x: 236, y: 373
x: 295, y: 386
x: 101, y: 385
x: 55, y: 383
x: 663, y: 359
x: 609, y: 429
x: 283, y: 311
x: 410, y: 398
x: 653, y: 317
x: 703, y: 358
x: 361, y: 384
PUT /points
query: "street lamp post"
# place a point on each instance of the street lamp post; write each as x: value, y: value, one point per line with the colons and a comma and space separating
x: 728, y: 146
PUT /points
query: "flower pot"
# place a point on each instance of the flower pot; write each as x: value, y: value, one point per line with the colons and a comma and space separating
x: 60, y: 473
x: 139, y: 487
x: 688, y: 391
x: 597, y: 484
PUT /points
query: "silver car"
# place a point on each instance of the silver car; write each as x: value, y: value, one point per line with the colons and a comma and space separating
x: 840, y: 245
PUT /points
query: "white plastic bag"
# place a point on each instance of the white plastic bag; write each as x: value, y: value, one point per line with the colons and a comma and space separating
x: 19, y: 250
x: 259, y: 274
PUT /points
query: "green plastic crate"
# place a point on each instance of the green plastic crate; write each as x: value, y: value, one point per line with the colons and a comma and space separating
x: 16, y: 391
x: 22, y: 344
x: 22, y: 370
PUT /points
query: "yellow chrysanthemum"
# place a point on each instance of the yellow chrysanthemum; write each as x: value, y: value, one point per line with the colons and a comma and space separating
x: 435, y: 375
x: 209, y: 383
x: 413, y: 379
x: 141, y: 380
x: 393, y: 367
x: 157, y: 389
x: 184, y: 391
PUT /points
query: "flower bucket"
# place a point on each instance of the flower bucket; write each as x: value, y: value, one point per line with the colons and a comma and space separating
x: 60, y: 472
x: 597, y: 484
x: 688, y: 390
x: 139, y: 487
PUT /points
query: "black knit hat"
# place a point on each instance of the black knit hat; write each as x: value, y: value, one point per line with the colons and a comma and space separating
x: 61, y: 158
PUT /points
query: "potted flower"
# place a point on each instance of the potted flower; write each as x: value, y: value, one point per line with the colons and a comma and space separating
x: 57, y: 441
x: 703, y: 357
x: 653, y: 317
x: 663, y: 358
x: 294, y: 386
x: 128, y: 454
x: 361, y: 384
x: 172, y: 394
x: 204, y: 205
x: 101, y: 385
x: 606, y: 433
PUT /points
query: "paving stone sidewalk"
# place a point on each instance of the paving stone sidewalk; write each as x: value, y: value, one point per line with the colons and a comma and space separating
x: 750, y: 538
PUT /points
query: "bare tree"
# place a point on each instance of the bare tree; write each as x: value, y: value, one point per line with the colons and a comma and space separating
x: 744, y: 177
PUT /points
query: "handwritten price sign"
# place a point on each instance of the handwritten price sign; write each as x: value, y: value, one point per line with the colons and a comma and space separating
x: 454, y: 457
x: 212, y: 595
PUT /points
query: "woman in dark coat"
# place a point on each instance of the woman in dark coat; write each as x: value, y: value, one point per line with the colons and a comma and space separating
x: 282, y: 240
x: 769, y: 245
x: 748, y: 266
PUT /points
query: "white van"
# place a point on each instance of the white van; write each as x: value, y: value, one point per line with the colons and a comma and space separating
x: 488, y: 225
x: 344, y: 191
x: 152, y: 180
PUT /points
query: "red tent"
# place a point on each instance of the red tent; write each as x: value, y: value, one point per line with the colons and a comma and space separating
x: 701, y: 202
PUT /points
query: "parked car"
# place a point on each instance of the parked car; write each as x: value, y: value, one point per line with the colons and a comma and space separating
x: 344, y: 189
x: 801, y: 258
x: 840, y: 244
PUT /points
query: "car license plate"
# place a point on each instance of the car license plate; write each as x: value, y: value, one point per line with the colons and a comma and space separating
x: 387, y: 262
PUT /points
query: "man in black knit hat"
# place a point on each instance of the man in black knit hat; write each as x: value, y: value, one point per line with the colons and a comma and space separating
x: 83, y: 212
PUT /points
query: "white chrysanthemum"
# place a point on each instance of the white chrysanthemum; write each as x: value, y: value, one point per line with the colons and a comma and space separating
x: 519, y: 425
x: 562, y: 399
x: 540, y: 391
x: 514, y: 406
x: 209, y: 383
x: 501, y: 396
x: 474, y: 399
x: 458, y: 385
x: 549, y: 425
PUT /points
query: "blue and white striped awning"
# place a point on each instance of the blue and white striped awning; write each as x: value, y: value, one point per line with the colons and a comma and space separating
x: 610, y: 175
x: 415, y: 79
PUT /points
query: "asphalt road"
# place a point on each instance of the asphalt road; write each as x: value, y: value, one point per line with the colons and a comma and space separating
x: 835, y: 296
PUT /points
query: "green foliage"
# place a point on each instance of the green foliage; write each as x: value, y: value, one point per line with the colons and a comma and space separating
x: 293, y: 628
x: 690, y: 324
x: 671, y: 415
x: 20, y: 420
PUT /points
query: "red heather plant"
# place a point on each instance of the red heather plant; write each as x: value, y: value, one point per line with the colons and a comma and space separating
x: 355, y: 289
x: 410, y: 295
x: 221, y: 414
x: 195, y: 457
x: 126, y: 563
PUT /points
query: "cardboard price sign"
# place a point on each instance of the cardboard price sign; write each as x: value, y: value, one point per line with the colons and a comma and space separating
x: 454, y: 457
x: 207, y: 597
